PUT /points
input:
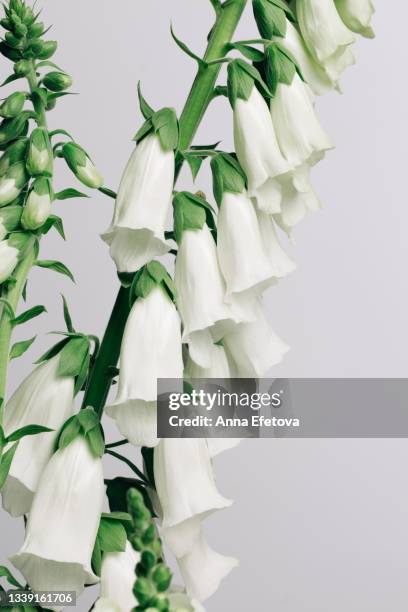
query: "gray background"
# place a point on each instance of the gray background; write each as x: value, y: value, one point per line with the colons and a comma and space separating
x: 320, y: 525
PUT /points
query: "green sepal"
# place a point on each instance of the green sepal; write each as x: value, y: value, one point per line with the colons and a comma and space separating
x: 227, y: 176
x: 145, y: 108
x: 22, y: 241
x: 85, y: 423
x: 164, y: 124
x: 280, y: 66
x: 56, y: 266
x: 150, y: 276
x: 72, y: 356
x: 271, y: 17
x: 10, y: 217
x: 10, y: 129
x: 54, y: 350
x: 53, y: 221
x: 241, y: 81
x: 111, y: 537
x: 14, y: 153
x: 19, y: 348
x: 251, y: 53
x: 67, y: 315
x: 29, y: 314
x: 190, y: 213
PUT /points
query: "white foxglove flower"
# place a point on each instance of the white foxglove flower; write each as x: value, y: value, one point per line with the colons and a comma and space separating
x: 185, y: 482
x: 8, y: 260
x: 151, y: 349
x: 258, y: 151
x: 313, y: 72
x: 201, y: 294
x: 297, y: 203
x: 325, y: 35
x: 63, y: 522
x: 181, y: 602
x: 136, y: 234
x: 301, y: 137
x: 118, y: 579
x: 43, y: 398
x: 282, y: 265
x: 203, y: 569
x: 219, y: 367
x: 254, y: 347
x: 357, y: 14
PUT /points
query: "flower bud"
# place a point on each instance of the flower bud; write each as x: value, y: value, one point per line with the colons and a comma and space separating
x: 57, y: 81
x: 36, y: 30
x: 144, y: 591
x: 9, y: 219
x: 36, y: 46
x: 15, y: 152
x: 48, y: 49
x: 37, y: 208
x: 14, y: 41
x: 12, y: 54
x: 22, y: 68
x: 81, y: 165
x: 40, y: 158
x: 162, y: 577
x: 13, y: 105
x: 12, y: 183
x: 10, y: 129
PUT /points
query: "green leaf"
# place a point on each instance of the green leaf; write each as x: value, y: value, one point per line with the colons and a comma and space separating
x: 5, y: 573
x: 227, y: 176
x: 189, y: 213
x: 67, y: 316
x: 69, y: 193
x: 60, y: 131
x: 165, y: 125
x: 48, y: 64
x: 28, y: 430
x: 53, y: 221
x: 72, y: 356
x: 145, y: 108
x: 146, y: 128
x: 19, y: 348
x: 97, y: 558
x: 194, y: 162
x: 186, y: 49
x: 111, y: 536
x: 56, y: 266
x: 53, y: 350
x: 29, y: 314
x: 5, y: 463
x: 10, y: 79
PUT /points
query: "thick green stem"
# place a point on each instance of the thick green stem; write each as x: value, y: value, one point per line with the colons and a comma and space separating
x: 13, y: 295
x: 197, y: 103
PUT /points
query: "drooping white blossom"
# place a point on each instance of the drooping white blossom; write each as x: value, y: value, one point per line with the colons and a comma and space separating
x: 151, y: 349
x: 8, y: 260
x: 325, y: 35
x: 118, y: 579
x: 185, y: 482
x: 43, y: 398
x: 258, y: 151
x: 357, y: 15
x: 63, y: 522
x: 254, y: 348
x: 296, y: 203
x: 301, y: 137
x: 201, y: 295
x: 136, y: 234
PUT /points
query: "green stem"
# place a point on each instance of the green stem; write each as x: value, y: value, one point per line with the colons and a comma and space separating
x: 197, y: 103
x: 13, y: 295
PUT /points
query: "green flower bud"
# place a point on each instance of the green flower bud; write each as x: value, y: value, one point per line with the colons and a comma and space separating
x: 36, y: 30
x: 48, y: 49
x: 6, y: 24
x: 162, y: 577
x: 13, y: 105
x: 14, y: 41
x: 40, y: 157
x: 148, y: 559
x: 10, y: 129
x: 161, y: 602
x: 12, y: 183
x: 35, y: 46
x: 9, y: 220
x: 22, y: 68
x: 137, y: 543
x: 12, y: 54
x: 144, y: 591
x: 20, y: 29
x: 134, y: 499
x: 150, y: 534
x: 14, y: 153
x: 37, y: 208
x: 81, y: 165
x: 57, y: 81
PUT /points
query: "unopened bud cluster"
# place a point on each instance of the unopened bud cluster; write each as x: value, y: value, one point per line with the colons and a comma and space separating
x: 153, y: 577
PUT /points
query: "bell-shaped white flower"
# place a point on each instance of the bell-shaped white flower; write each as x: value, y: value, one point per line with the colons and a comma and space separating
x: 201, y: 295
x: 296, y: 203
x: 43, y: 398
x: 254, y: 348
x: 118, y: 579
x: 181, y: 602
x: 314, y: 73
x: 185, y: 482
x: 151, y: 349
x: 203, y: 569
x: 325, y: 35
x: 282, y: 265
x: 301, y: 137
x: 8, y: 260
x: 357, y: 15
x: 258, y: 151
x: 136, y: 234
x: 63, y: 522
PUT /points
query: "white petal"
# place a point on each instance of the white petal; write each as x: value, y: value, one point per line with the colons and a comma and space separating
x: 43, y: 398
x: 300, y: 135
x: 118, y: 578
x: 136, y: 234
x: 136, y: 421
x: 219, y: 367
x: 8, y: 260
x: 181, y: 602
x: 184, y: 480
x: 63, y: 522
x: 281, y: 263
x: 357, y: 14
